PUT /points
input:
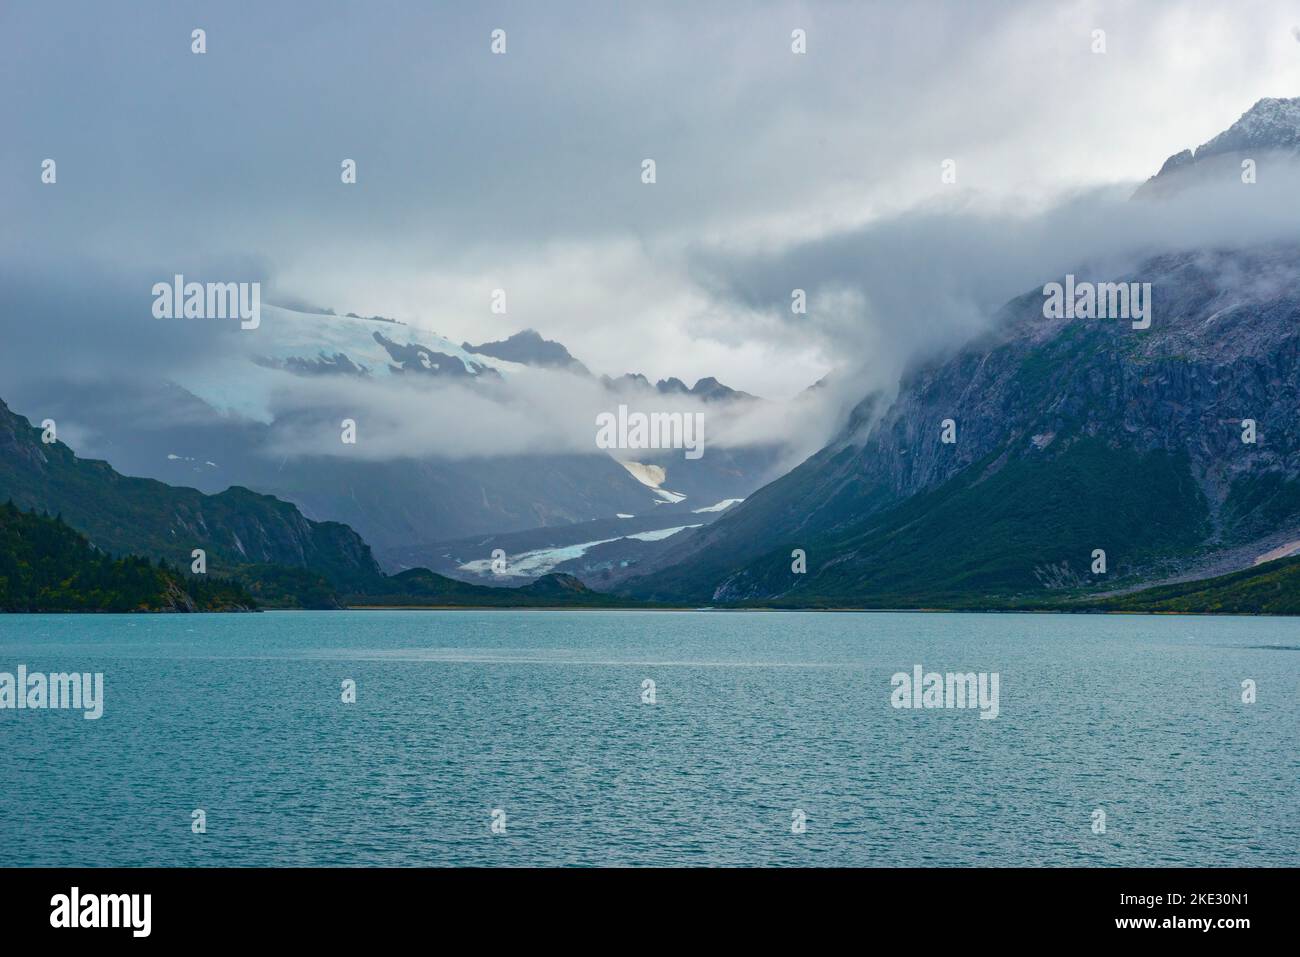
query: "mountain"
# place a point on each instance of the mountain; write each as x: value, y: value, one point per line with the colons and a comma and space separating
x: 373, y: 347
x: 417, y: 359
x: 136, y: 516
x: 421, y: 588
x: 222, y: 423
x: 1269, y: 129
x: 530, y: 349
x: 1270, y: 588
x: 1072, y: 435
x: 589, y: 551
x: 708, y: 389
x: 272, y: 552
x: 392, y: 503
x: 167, y: 433
x: 1173, y: 449
x: 711, y: 390
x: 395, y: 503
x: 45, y: 566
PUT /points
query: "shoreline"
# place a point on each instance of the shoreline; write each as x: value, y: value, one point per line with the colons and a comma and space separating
x: 844, y: 610
x: 681, y: 609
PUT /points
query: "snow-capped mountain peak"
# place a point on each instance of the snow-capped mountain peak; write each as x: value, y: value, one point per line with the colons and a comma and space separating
x: 1268, y: 125
x: 1272, y: 125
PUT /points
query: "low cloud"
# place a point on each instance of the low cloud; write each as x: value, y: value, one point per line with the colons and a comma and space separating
x: 917, y: 286
x: 880, y: 298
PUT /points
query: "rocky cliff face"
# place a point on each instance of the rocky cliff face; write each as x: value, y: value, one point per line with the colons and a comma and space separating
x: 124, y: 515
x: 1043, y: 414
x: 1222, y: 347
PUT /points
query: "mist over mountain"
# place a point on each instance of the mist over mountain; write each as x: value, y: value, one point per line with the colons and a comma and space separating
x: 996, y: 471
x: 456, y: 442
x: 1071, y: 435
x: 707, y: 388
x: 1268, y: 131
x: 722, y: 290
x: 122, y: 515
x: 529, y: 348
x: 450, y: 442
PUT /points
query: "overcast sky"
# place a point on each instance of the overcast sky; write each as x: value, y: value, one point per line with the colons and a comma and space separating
x: 522, y: 171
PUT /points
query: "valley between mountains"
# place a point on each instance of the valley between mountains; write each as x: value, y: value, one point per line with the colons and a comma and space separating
x: 992, y: 477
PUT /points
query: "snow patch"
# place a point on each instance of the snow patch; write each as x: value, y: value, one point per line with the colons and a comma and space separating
x: 540, y: 561
x: 722, y: 506
x: 242, y: 386
x: 667, y: 496
x: 535, y: 563
x: 660, y: 534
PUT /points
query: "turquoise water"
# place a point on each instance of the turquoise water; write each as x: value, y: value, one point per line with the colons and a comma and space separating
x: 540, y: 715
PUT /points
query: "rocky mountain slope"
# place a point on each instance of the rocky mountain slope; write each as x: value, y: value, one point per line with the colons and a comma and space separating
x: 259, y: 550
x: 122, y: 515
x: 530, y: 349
x: 1002, y: 474
x: 1071, y: 435
x: 219, y: 425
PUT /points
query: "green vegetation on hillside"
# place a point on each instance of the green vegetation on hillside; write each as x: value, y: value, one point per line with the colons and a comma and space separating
x: 1259, y: 504
x: 135, y: 516
x: 1004, y: 534
x: 260, y: 549
x: 282, y: 558
x: 1272, y: 588
x: 997, y: 537
x: 47, y: 566
x: 285, y: 586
